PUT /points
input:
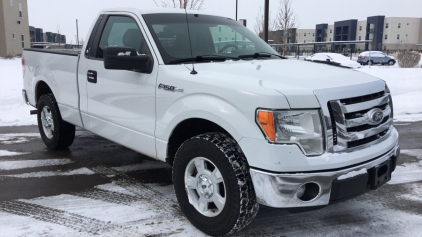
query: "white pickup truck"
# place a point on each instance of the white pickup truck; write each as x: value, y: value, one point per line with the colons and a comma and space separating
x: 240, y: 125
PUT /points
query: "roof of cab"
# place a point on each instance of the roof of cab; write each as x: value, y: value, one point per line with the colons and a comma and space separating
x: 158, y: 10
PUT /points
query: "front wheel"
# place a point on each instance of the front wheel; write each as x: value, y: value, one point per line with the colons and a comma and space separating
x: 56, y: 133
x: 213, y: 185
x: 391, y: 62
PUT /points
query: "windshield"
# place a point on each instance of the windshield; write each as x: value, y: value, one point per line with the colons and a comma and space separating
x: 209, y: 35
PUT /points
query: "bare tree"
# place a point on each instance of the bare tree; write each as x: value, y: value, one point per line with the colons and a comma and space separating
x: 260, y: 24
x: 286, y: 20
x: 182, y: 4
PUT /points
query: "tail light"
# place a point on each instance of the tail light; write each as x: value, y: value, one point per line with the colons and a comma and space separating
x: 364, y: 57
x: 23, y: 67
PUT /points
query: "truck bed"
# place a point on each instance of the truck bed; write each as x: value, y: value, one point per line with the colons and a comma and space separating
x: 69, y: 52
x: 59, y: 70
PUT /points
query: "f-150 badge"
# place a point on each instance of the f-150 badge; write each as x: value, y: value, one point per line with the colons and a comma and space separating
x: 169, y: 88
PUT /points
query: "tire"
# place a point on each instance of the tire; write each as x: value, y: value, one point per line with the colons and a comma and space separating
x: 221, y: 151
x: 56, y: 134
x: 370, y: 62
x: 391, y: 62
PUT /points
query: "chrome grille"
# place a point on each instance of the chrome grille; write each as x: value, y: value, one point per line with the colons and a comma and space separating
x: 350, y: 122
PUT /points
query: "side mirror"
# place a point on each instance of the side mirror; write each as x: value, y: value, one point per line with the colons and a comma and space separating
x: 126, y: 58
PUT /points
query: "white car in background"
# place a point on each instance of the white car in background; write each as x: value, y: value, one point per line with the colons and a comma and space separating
x: 334, y: 59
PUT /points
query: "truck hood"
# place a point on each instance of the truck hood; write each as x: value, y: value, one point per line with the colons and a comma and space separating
x: 296, y: 80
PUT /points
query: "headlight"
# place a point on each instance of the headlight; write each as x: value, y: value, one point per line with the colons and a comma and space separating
x: 302, y: 127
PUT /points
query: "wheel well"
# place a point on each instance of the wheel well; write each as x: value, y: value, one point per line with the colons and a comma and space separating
x: 42, y: 89
x: 186, y: 130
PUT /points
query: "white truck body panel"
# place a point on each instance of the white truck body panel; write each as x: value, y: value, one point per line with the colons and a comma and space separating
x: 129, y: 108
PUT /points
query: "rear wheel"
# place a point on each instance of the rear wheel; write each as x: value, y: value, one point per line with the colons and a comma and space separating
x: 56, y: 133
x: 370, y: 62
x: 213, y: 185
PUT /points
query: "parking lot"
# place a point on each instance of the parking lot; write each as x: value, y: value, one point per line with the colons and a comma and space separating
x: 99, y: 187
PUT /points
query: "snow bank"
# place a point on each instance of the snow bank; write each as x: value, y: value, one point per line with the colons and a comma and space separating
x: 406, y: 87
x: 14, y: 111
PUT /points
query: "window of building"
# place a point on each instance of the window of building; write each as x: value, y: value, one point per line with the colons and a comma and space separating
x: 304, y: 34
x: 331, y: 31
x: 304, y: 41
x: 20, y: 10
x: 360, y: 28
x: 23, y: 41
x: 313, y: 34
x: 385, y: 47
x: 360, y: 37
x: 386, y: 25
x: 330, y: 39
x: 407, y: 23
x: 398, y: 36
x: 14, y: 36
x: 219, y: 29
x: 386, y: 37
x: 399, y: 25
x: 232, y: 38
x: 11, y: 3
x: 219, y: 39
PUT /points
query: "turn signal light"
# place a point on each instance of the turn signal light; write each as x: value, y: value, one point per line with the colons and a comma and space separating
x: 23, y: 67
x: 266, y: 121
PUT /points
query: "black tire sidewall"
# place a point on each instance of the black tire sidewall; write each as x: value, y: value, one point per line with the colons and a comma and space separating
x: 226, y: 219
x: 49, y: 101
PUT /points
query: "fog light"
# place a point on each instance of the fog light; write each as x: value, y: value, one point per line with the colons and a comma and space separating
x: 308, y: 192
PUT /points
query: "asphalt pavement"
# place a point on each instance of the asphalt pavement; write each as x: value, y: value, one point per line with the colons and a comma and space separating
x: 97, y: 187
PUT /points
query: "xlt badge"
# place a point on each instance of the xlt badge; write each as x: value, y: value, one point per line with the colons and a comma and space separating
x: 169, y: 88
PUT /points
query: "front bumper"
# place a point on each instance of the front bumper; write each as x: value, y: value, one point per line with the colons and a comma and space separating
x: 280, y: 190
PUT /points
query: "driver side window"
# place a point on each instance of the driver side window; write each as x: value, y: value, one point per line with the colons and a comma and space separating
x: 227, y: 40
x: 124, y: 32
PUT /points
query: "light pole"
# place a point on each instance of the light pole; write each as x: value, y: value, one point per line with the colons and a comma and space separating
x: 266, y: 17
x: 236, y: 9
x: 77, y: 33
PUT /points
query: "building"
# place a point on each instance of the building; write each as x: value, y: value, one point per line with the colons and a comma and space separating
x: 387, y: 33
x: 14, y: 27
x: 39, y: 35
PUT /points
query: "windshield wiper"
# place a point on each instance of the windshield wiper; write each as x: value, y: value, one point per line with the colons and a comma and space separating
x: 261, y: 55
x: 202, y: 58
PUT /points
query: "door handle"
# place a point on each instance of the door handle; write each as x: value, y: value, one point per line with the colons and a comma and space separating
x: 92, y: 76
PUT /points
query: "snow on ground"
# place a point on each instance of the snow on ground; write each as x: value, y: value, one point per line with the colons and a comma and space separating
x: 407, y: 173
x: 80, y: 171
x: 11, y: 153
x: 413, y: 152
x: 100, y: 210
x: 14, y: 111
x: 23, y: 164
x: 13, y: 138
x: 144, y: 166
x: 406, y: 87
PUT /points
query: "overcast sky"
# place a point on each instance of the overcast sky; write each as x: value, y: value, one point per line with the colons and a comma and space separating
x: 54, y: 15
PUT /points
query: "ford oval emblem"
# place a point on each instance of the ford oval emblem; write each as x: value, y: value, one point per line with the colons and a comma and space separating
x: 375, y: 116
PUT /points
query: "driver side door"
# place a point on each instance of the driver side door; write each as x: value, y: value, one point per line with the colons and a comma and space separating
x: 121, y: 103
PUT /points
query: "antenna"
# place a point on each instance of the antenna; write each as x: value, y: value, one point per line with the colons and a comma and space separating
x: 193, y: 72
